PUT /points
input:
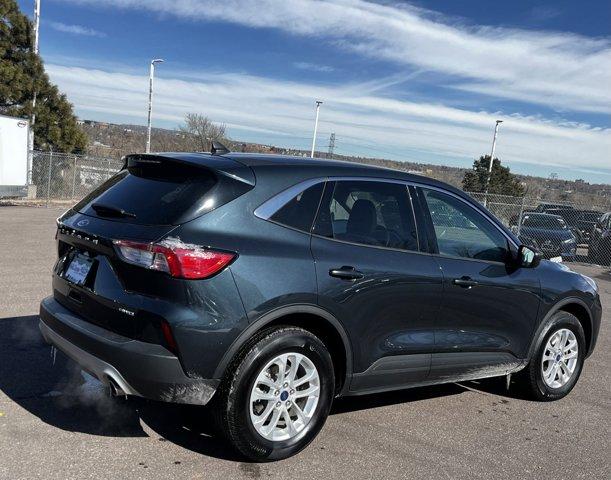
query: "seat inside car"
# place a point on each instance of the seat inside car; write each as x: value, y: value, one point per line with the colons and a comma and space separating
x: 361, y: 222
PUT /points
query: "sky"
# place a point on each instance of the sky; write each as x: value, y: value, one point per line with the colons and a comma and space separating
x: 419, y: 81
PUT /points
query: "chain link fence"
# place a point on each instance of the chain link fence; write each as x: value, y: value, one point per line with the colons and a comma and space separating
x: 567, y: 231
x: 61, y: 177
x: 560, y: 230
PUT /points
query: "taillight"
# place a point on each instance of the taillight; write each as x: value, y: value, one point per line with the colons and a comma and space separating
x: 174, y: 257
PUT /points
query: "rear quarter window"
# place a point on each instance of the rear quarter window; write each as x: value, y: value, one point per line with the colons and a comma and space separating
x: 300, y: 211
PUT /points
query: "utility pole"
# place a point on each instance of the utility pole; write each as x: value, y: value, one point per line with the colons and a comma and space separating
x: 33, y: 116
x: 318, y: 104
x: 150, y: 114
x: 496, y: 131
x: 331, y: 145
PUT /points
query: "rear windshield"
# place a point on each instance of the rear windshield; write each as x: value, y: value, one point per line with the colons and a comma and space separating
x: 549, y: 222
x: 152, y: 193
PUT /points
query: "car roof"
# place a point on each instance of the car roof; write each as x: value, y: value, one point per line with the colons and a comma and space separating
x: 545, y: 215
x: 262, y: 159
x: 555, y: 205
x: 308, y: 167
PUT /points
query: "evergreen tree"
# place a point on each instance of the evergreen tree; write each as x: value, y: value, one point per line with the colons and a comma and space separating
x: 21, y: 74
x: 502, y: 181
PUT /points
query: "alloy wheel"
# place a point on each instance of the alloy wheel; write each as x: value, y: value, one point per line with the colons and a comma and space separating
x: 559, y: 358
x: 284, y: 396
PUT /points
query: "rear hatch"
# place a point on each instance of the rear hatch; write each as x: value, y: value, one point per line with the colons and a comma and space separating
x: 118, y: 264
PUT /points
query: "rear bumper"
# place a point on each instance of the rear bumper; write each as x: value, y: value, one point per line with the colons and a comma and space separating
x: 133, y: 367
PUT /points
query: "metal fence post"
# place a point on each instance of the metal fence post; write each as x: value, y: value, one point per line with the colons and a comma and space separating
x: 521, y: 213
x: 74, y: 177
x: 49, y: 177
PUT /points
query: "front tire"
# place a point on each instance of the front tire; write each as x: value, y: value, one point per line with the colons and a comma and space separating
x: 276, y: 394
x: 557, y: 360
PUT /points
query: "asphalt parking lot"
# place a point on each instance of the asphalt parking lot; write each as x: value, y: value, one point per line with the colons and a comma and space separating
x: 55, y: 424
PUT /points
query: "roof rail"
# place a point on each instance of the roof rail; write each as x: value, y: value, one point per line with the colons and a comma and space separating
x: 217, y: 148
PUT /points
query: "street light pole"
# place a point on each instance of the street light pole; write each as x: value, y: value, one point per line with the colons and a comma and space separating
x: 318, y: 104
x: 33, y: 115
x: 151, y: 76
x: 36, y: 24
x: 496, y: 131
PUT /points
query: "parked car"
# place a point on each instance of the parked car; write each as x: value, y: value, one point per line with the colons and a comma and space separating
x: 551, y: 233
x: 580, y: 222
x: 266, y: 286
x: 599, y: 250
x: 587, y: 222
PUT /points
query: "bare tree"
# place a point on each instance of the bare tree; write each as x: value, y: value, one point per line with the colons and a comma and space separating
x: 201, y: 131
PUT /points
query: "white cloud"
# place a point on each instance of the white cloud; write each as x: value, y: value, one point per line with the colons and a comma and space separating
x: 313, y: 66
x: 75, y: 29
x: 355, y: 112
x: 561, y: 70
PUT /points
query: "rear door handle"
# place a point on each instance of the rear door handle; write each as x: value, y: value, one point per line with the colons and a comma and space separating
x: 465, y: 282
x: 346, y: 273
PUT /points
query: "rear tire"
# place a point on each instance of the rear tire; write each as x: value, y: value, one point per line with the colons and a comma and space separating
x: 262, y: 387
x: 557, y: 360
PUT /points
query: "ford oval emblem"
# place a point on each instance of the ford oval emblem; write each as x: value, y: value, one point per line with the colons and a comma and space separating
x: 82, y: 223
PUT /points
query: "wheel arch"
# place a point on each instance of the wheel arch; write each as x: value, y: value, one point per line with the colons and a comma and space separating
x: 573, y: 305
x: 311, y: 318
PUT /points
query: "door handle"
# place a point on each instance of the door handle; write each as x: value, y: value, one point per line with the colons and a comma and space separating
x: 465, y: 282
x: 346, y: 273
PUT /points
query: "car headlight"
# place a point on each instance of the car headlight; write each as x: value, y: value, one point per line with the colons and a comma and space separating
x: 590, y: 282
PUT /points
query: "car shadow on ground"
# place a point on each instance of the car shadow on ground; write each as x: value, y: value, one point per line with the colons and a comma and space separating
x: 53, y: 388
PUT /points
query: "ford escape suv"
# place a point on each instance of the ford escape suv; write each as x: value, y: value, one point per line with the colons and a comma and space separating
x: 266, y: 286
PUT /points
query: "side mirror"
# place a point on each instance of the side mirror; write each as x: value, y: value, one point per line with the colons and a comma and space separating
x: 527, y: 257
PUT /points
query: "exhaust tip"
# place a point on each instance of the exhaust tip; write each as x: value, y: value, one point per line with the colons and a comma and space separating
x: 115, y: 389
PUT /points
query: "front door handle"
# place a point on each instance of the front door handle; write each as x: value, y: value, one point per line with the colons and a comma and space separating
x: 465, y: 282
x: 346, y: 273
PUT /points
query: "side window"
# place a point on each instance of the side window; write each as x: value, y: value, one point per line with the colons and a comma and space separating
x: 300, y: 211
x: 461, y: 231
x: 369, y: 213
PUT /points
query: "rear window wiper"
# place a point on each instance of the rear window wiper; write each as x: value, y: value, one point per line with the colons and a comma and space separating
x: 110, y: 211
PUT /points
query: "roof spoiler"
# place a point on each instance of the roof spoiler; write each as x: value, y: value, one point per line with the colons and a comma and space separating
x: 216, y: 162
